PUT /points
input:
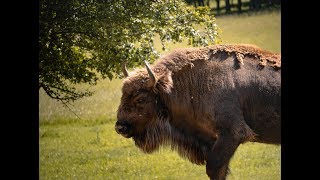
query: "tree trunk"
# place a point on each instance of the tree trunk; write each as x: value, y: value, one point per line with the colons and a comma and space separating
x: 201, y: 2
x: 218, y: 6
x: 258, y: 4
x: 239, y: 6
x: 255, y: 4
x: 228, y: 6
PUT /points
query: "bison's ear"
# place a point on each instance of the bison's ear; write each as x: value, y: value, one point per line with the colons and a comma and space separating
x: 165, y: 83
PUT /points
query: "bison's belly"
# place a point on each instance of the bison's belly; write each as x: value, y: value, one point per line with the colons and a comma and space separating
x: 265, y: 122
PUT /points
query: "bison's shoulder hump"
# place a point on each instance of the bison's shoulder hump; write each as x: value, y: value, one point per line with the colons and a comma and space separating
x: 240, y: 51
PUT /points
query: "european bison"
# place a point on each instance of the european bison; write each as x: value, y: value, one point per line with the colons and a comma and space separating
x: 204, y: 102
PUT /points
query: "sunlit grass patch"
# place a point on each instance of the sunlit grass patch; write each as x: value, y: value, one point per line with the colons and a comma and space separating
x: 263, y: 30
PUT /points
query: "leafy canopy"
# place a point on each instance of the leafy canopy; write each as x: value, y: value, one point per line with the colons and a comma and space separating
x: 82, y: 40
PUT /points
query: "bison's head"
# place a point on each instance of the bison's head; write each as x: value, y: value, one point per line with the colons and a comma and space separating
x: 142, y: 107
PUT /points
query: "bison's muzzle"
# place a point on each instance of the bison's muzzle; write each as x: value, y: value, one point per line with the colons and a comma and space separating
x: 124, y: 128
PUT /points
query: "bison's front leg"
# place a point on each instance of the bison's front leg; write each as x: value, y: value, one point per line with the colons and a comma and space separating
x: 220, y: 155
x: 232, y: 130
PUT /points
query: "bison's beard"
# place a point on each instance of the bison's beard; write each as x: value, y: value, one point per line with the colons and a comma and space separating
x: 154, y: 135
x: 160, y: 132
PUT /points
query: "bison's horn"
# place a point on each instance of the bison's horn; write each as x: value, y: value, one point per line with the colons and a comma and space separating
x: 124, y: 70
x: 150, y: 72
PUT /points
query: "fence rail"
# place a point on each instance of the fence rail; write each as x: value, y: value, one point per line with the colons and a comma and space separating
x: 230, y: 6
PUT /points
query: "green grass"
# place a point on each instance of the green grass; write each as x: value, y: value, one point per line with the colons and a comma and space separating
x: 90, y: 148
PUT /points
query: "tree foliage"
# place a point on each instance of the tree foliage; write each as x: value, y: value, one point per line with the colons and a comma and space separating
x: 82, y: 40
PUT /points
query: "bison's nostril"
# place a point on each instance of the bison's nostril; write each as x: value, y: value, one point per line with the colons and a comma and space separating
x: 118, y: 128
x: 121, y: 129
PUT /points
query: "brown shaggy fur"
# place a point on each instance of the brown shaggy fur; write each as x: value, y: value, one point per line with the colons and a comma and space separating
x: 206, y: 102
x: 184, y: 57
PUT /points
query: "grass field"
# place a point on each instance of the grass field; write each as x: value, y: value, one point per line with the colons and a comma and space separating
x: 90, y: 148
